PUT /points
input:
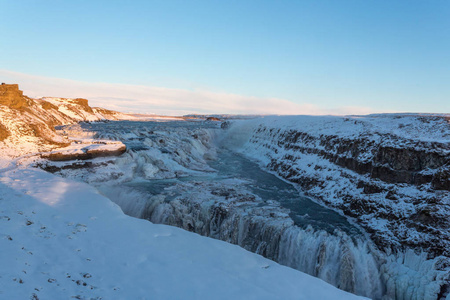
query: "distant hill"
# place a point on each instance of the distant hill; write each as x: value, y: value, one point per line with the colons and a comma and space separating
x: 27, y: 124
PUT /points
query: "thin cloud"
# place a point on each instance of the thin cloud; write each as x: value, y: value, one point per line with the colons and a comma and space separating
x: 165, y: 101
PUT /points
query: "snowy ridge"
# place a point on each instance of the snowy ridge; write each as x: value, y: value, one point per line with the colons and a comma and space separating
x: 77, y: 110
x: 28, y: 127
x: 417, y: 127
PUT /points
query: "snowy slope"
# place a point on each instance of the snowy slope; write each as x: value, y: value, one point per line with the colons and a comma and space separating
x: 60, y: 239
x: 79, y: 110
x: 30, y: 128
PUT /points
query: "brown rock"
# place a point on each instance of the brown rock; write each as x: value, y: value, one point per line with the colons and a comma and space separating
x: 4, y: 132
x: 88, y: 154
x: 212, y: 119
x: 47, y: 105
x: 83, y: 103
x: 11, y: 96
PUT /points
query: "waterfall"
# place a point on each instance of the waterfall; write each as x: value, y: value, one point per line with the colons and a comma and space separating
x: 338, y: 259
x: 227, y: 208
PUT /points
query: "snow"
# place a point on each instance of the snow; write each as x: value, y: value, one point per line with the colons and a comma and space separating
x: 86, y: 147
x: 61, y: 239
x: 420, y: 127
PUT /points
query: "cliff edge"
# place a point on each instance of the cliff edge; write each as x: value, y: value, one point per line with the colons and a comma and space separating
x: 27, y: 125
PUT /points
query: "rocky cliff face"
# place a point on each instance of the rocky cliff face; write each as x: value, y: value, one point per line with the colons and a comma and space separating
x: 11, y: 96
x: 27, y: 125
x: 390, y: 173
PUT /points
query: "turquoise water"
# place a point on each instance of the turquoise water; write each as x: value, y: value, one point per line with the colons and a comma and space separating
x: 304, y: 211
x: 231, y: 165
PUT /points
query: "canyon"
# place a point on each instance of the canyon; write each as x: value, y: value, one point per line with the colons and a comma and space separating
x: 361, y: 202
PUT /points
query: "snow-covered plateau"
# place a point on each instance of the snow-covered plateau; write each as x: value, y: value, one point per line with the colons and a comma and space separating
x: 361, y: 202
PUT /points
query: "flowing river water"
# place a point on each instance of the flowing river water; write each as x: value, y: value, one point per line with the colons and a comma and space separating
x: 303, y: 211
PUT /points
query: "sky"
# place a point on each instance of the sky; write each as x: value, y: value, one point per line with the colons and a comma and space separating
x: 280, y: 57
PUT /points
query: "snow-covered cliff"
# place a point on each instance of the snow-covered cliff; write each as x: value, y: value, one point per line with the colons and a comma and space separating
x: 389, y: 172
x: 27, y: 125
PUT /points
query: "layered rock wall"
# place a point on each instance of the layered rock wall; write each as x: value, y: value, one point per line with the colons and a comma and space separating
x: 11, y: 96
x: 395, y: 183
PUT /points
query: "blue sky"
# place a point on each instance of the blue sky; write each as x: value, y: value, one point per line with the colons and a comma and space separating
x: 338, y: 56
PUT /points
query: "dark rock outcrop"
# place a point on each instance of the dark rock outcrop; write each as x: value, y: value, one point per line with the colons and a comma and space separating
x: 441, y: 179
x: 84, y: 104
x: 87, y: 153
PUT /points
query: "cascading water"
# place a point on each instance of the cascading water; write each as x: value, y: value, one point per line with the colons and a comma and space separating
x: 238, y: 204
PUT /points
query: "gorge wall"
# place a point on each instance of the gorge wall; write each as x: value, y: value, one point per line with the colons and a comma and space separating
x: 390, y: 173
